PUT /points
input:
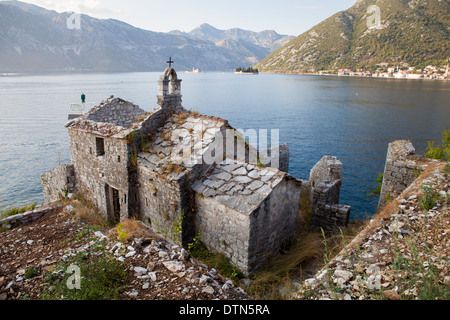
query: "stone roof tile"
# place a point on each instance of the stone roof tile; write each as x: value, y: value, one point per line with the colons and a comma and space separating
x: 232, y: 185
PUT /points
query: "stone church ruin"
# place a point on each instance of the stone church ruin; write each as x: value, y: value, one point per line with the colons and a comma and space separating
x: 175, y: 168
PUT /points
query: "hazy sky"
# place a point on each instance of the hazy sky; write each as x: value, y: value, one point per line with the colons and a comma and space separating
x: 291, y: 17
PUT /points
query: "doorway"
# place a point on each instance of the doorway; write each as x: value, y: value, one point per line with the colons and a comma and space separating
x: 112, y: 204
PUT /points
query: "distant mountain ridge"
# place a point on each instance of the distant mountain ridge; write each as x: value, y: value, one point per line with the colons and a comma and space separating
x: 409, y: 33
x: 34, y: 39
x: 267, y: 39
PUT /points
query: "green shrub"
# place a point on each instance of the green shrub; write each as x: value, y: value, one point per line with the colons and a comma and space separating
x: 429, y: 198
x: 31, y: 273
x: 215, y: 260
x: 441, y: 152
x: 102, y: 276
x: 15, y: 210
x: 377, y: 191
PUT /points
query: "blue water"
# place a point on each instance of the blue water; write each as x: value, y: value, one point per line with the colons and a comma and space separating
x: 351, y: 118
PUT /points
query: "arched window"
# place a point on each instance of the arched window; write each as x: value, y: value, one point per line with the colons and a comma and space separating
x: 171, y: 77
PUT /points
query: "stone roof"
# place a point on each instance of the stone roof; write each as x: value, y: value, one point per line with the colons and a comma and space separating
x: 183, y: 131
x: 238, y: 185
x: 112, y: 117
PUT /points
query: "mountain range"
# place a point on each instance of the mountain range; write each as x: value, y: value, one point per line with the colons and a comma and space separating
x: 370, y: 34
x: 34, y: 39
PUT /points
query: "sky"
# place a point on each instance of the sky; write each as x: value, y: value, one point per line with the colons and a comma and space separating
x: 291, y: 17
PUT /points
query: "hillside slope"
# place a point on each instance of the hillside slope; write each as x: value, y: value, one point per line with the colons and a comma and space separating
x: 402, y: 254
x: 409, y: 33
x: 35, y: 259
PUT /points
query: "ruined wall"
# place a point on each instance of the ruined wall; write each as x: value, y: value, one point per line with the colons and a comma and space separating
x: 326, y: 212
x: 328, y: 167
x: 325, y: 181
x: 94, y: 171
x: 280, y: 158
x: 54, y: 181
x: 400, y: 170
x: 327, y: 191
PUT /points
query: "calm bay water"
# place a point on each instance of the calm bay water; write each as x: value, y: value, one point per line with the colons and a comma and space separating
x: 351, y: 118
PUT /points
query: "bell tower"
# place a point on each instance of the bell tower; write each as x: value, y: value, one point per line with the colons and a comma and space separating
x: 169, y: 88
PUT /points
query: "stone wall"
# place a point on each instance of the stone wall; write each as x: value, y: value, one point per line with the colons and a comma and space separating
x: 55, y: 181
x: 274, y: 224
x: 327, y: 191
x: 169, y: 89
x: 325, y: 181
x: 28, y: 217
x: 159, y: 201
x: 224, y: 230
x: 326, y: 212
x: 95, y: 171
x: 328, y: 167
x: 400, y: 170
x: 280, y: 158
x: 169, y: 100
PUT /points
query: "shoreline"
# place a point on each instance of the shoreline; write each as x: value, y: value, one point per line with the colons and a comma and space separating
x: 349, y: 76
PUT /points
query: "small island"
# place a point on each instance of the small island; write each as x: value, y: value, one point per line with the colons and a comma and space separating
x: 248, y: 70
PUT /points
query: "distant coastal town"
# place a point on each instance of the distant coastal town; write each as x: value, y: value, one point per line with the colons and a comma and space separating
x: 429, y: 72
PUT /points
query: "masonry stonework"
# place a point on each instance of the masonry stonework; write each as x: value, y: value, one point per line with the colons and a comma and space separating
x: 58, y: 181
x: 325, y: 182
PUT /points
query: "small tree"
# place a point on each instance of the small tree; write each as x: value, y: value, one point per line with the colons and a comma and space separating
x: 377, y: 191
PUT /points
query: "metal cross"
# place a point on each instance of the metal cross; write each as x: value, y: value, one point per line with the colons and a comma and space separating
x: 170, y: 62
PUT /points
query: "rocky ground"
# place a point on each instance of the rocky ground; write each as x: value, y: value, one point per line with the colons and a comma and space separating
x: 156, y: 268
x: 402, y: 254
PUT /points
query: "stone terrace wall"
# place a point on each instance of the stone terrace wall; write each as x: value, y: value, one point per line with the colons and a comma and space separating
x: 400, y: 170
x: 28, y: 217
x: 54, y: 181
